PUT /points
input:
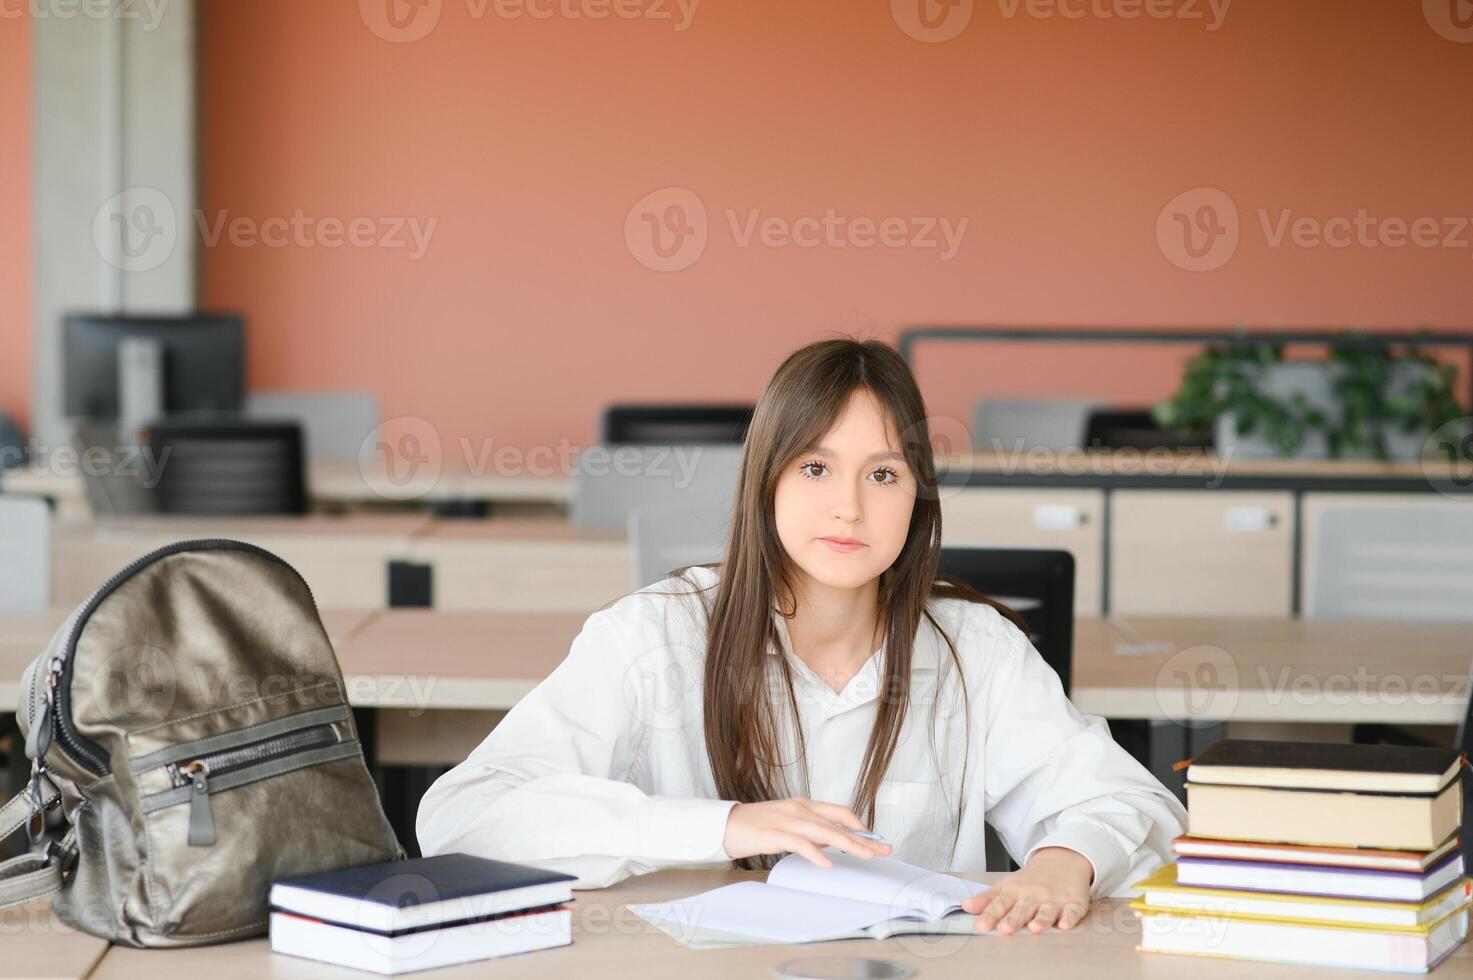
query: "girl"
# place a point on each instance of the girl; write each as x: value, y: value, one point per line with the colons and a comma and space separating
x: 820, y: 671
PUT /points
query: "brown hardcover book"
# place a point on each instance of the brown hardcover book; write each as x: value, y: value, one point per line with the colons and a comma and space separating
x: 1391, y: 797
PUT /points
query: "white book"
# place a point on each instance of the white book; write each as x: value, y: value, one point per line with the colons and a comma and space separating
x: 801, y: 902
x: 422, y: 949
x: 1302, y: 879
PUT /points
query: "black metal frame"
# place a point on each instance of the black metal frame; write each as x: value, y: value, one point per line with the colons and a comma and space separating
x: 1370, y: 338
x: 1228, y: 481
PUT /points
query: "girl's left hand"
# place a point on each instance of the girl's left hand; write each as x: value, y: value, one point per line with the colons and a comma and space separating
x: 1051, y: 889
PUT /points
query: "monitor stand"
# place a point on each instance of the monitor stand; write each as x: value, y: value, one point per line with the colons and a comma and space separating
x: 140, y: 382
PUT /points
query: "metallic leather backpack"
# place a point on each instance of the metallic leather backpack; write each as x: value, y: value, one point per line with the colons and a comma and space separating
x: 190, y: 722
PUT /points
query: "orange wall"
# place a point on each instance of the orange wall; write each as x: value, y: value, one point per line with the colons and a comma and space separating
x: 15, y: 218
x: 1061, y: 140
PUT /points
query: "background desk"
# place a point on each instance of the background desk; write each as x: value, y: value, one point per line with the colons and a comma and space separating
x: 523, y: 564
x: 1162, y: 534
x: 1123, y: 668
x: 1251, y: 672
x: 344, y: 559
x: 503, y: 564
x: 1272, y: 669
x: 1183, y: 669
x: 332, y: 482
x: 23, y: 635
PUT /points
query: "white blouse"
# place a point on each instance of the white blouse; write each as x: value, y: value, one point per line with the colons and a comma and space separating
x: 601, y: 771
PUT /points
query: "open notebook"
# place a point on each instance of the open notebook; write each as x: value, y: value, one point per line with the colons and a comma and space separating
x: 801, y: 902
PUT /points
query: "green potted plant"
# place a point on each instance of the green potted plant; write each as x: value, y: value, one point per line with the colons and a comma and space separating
x: 1361, y: 400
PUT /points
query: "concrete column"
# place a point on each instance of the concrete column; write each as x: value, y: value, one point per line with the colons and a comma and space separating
x: 115, y: 182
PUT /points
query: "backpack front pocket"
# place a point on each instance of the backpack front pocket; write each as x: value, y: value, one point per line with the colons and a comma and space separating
x: 252, y: 805
x: 199, y: 770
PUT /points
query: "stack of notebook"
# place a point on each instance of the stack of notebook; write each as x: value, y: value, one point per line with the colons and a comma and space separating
x: 1320, y: 854
x: 404, y: 916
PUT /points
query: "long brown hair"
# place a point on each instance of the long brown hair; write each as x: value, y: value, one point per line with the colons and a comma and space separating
x: 801, y: 403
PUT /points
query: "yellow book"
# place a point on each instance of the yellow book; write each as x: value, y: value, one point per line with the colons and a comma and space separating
x: 1162, y: 893
x: 1405, y: 949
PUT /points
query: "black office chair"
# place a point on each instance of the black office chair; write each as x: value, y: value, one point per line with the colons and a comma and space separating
x: 1135, y: 429
x: 675, y: 425
x: 12, y: 444
x: 1038, y: 585
x: 228, y: 468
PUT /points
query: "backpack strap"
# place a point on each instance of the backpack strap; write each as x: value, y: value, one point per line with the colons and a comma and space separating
x: 31, y: 876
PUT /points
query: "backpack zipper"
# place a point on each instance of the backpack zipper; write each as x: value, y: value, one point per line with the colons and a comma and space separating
x: 196, y: 773
x: 81, y: 750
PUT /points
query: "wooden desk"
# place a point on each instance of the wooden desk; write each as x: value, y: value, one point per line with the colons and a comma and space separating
x: 504, y: 564
x: 24, y: 635
x: 515, y: 564
x: 35, y: 943
x: 551, y: 483
x: 344, y: 559
x: 1202, y: 470
x: 1272, y: 670
x: 480, y: 664
x: 1332, y: 671
x: 342, y: 481
x: 449, y: 674
x: 610, y: 941
x: 454, y: 659
x: 345, y: 481
x: 456, y: 672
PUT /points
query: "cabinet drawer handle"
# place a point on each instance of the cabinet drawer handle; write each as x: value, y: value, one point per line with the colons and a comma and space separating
x: 1249, y: 520
x: 1057, y: 517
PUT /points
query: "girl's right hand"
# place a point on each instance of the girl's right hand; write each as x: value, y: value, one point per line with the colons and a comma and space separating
x: 798, y: 825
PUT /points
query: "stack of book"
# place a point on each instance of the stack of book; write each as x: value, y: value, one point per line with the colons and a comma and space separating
x: 403, y: 916
x: 1318, y: 854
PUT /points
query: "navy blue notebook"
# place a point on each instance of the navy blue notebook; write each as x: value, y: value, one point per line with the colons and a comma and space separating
x: 400, y: 896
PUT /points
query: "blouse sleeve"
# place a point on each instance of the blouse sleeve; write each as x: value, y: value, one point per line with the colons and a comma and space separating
x: 1054, y: 777
x: 548, y: 786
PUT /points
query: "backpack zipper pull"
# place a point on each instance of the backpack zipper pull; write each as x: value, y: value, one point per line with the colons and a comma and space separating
x: 201, y: 820
x: 40, y: 733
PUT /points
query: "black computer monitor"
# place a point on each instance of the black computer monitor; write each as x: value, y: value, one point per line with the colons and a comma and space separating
x: 676, y: 425
x: 204, y: 361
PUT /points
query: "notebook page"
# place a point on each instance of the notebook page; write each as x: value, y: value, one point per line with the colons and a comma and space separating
x: 762, y: 911
x: 901, y: 889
